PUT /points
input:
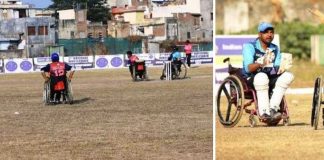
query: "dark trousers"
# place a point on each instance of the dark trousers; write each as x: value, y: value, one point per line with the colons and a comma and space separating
x: 188, y: 59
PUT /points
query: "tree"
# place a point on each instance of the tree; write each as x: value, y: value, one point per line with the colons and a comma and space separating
x: 97, y: 10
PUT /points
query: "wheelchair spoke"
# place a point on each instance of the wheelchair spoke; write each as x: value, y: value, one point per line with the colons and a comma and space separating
x: 226, y: 93
x: 228, y: 112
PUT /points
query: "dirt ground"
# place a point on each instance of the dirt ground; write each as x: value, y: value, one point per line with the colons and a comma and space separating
x: 294, y: 142
x: 112, y: 117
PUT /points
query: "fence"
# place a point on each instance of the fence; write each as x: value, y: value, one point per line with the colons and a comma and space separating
x: 96, y: 46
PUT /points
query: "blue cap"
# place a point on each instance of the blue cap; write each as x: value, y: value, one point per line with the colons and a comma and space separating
x: 263, y: 26
x: 55, y: 57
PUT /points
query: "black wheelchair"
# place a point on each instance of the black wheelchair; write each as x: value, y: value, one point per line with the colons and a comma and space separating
x: 317, y: 102
x: 178, y: 70
x: 139, y: 70
x: 66, y: 94
x: 231, y: 97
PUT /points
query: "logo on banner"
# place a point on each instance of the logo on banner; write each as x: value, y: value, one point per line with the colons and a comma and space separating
x: 25, y: 65
x: 102, y: 62
x: 116, y: 61
x: 11, y: 66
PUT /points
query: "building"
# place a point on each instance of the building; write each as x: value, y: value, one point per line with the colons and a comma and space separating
x: 25, y: 31
x: 158, y: 21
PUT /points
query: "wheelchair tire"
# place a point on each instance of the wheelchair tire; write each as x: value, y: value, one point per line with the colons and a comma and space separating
x: 134, y: 73
x: 229, y: 113
x: 69, y: 92
x: 145, y: 76
x: 316, y: 104
x: 182, y: 73
x: 46, y: 93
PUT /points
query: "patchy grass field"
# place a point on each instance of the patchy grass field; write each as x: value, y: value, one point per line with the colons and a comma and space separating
x: 297, y: 141
x: 112, y: 118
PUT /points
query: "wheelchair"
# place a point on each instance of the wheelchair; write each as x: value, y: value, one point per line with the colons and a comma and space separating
x: 234, y: 96
x: 316, y: 103
x: 178, y: 70
x: 66, y: 94
x: 139, y: 70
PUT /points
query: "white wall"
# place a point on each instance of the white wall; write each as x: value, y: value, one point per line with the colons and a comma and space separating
x: 192, y: 6
x: 66, y: 14
x: 236, y: 17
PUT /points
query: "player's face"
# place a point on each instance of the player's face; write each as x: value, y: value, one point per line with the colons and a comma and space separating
x: 267, y: 36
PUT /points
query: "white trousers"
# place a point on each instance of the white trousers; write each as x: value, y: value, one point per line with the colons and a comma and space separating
x: 261, y: 85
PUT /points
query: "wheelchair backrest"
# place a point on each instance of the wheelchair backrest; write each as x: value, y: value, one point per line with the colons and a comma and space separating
x: 140, y: 65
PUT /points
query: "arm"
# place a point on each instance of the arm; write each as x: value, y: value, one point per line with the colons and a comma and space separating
x: 248, y: 60
x: 45, y: 76
x: 71, y: 73
x: 45, y: 72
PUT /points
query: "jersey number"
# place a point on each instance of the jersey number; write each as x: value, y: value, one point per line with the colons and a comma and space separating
x: 59, y: 72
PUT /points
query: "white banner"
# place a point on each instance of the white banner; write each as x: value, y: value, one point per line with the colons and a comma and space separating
x: 1, y: 65
x: 116, y: 61
x: 17, y: 65
x: 80, y: 62
x: 101, y: 62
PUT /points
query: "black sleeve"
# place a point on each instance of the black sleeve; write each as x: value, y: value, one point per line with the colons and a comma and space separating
x: 67, y: 67
x: 46, y: 68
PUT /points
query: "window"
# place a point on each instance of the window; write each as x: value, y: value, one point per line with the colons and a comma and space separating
x: 31, y: 30
x: 203, y: 35
x: 72, y: 34
x: 42, y: 30
x: 201, y: 19
x: 196, y: 21
x: 211, y: 16
x: 188, y: 35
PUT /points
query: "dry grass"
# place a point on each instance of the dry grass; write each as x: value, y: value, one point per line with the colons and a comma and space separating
x: 112, y: 118
x: 297, y: 141
x: 305, y: 73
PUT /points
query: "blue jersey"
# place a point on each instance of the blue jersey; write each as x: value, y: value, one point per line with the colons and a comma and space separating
x: 253, y: 51
x: 175, y: 56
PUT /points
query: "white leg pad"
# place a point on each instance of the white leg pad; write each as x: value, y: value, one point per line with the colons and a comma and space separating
x: 261, y: 85
x: 282, y: 84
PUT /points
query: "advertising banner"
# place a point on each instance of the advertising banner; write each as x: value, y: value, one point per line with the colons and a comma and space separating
x: 160, y: 58
x: 101, y: 62
x: 202, y: 57
x: 80, y: 62
x: 116, y: 61
x: 1, y: 65
x: 149, y: 58
x: 18, y: 65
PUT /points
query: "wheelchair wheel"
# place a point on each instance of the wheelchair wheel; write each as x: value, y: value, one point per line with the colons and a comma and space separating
x: 316, y: 104
x: 182, y: 72
x: 69, y: 92
x: 145, y: 76
x: 46, y: 93
x: 230, y: 101
x: 134, y: 73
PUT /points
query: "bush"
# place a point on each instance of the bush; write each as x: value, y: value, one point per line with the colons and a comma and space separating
x: 294, y: 37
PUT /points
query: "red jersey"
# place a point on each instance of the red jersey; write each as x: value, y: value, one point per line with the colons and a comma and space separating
x: 132, y: 59
x: 58, y: 74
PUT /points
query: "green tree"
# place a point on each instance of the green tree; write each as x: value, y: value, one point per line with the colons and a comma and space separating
x: 97, y: 10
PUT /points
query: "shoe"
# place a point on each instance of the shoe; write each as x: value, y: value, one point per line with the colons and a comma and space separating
x: 265, y: 117
x: 275, y: 115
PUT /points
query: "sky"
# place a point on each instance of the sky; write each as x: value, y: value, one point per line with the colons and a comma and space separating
x: 38, y: 3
